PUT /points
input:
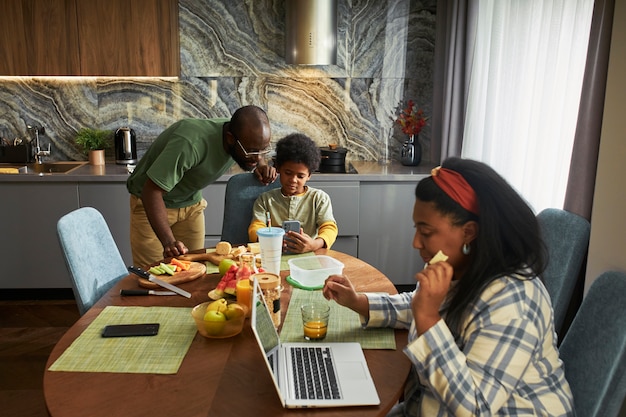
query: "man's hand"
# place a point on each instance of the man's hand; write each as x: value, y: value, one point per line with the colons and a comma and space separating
x: 152, y: 198
x: 265, y: 173
x: 174, y: 249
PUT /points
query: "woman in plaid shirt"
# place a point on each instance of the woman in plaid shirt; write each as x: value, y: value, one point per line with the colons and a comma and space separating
x: 481, y: 330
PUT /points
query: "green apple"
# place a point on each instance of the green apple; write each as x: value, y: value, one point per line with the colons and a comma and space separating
x: 218, y: 305
x: 225, y: 265
x: 214, y: 322
x: 234, y: 311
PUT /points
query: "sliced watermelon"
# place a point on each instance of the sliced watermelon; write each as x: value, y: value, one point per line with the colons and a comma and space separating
x: 231, y: 287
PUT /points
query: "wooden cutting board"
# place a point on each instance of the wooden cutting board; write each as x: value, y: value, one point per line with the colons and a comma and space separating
x: 196, y: 270
x: 212, y: 257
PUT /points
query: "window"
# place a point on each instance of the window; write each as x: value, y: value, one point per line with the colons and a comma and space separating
x: 524, y: 92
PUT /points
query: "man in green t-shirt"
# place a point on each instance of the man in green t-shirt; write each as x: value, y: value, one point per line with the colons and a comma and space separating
x: 166, y: 204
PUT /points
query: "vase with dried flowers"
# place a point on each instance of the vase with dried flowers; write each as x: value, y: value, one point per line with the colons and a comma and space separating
x: 411, y: 120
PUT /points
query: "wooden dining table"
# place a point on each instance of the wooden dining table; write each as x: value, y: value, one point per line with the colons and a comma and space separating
x: 217, y: 377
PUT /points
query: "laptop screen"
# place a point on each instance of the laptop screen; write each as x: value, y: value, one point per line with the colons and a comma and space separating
x: 264, y: 325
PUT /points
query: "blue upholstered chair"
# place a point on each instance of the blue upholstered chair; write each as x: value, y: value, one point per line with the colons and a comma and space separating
x: 594, y: 348
x: 566, y: 236
x: 241, y: 192
x: 91, y: 255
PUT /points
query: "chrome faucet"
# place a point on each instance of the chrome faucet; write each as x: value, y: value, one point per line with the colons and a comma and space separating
x: 39, y: 153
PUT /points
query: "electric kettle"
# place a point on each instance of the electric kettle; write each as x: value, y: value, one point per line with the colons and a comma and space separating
x: 125, y: 146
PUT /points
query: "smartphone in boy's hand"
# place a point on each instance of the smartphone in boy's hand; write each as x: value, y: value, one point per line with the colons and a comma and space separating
x: 291, y: 226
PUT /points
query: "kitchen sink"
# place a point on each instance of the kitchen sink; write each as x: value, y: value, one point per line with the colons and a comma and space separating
x: 62, y: 167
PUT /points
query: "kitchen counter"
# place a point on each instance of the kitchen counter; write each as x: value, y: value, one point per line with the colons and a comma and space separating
x: 365, y: 172
x: 372, y: 205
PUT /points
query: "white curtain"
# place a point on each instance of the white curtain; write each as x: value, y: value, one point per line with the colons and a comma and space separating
x: 526, y: 75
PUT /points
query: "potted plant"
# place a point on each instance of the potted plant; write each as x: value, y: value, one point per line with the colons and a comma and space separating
x: 93, y: 142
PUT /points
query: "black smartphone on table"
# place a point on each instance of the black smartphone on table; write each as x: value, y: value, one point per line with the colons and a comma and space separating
x: 127, y: 330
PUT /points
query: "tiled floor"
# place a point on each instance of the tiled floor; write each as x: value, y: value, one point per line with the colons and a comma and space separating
x: 29, y: 329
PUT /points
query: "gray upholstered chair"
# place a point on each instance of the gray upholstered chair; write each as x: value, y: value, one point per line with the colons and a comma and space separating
x: 566, y: 236
x: 91, y: 255
x: 241, y: 192
x: 594, y: 348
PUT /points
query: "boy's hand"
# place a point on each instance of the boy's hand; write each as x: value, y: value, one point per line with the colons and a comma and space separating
x: 301, y: 242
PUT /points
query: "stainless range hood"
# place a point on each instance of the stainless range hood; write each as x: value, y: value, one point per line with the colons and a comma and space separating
x: 311, y: 32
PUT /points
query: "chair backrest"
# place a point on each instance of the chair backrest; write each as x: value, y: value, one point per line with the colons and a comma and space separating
x: 242, y: 191
x: 566, y: 236
x: 91, y: 255
x: 594, y: 348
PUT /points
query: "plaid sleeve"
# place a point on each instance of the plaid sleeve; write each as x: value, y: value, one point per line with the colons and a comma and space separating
x: 484, y: 373
x: 389, y: 310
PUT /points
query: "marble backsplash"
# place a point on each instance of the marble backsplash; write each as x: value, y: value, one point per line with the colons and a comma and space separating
x: 232, y: 55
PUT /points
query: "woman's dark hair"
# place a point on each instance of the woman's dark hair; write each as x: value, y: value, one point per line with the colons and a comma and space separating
x: 299, y: 148
x: 508, y: 241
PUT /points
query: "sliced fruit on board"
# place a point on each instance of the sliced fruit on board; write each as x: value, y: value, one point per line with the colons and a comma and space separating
x: 195, y: 271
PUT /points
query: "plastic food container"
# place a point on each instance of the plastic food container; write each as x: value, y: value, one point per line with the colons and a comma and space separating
x: 219, y: 329
x: 310, y: 272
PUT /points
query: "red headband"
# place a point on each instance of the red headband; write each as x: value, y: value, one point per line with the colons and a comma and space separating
x: 454, y: 185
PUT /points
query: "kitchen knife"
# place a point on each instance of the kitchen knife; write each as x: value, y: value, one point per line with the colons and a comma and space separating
x: 146, y: 292
x: 144, y: 274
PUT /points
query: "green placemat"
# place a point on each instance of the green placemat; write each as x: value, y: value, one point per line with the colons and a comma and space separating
x: 211, y: 268
x: 160, y: 354
x: 284, y: 260
x: 344, y: 324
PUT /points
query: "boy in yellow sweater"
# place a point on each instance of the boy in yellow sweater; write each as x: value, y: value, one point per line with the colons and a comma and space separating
x: 297, y: 157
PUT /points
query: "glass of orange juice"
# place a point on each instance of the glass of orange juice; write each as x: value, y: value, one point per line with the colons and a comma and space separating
x: 315, y: 320
x: 244, y: 294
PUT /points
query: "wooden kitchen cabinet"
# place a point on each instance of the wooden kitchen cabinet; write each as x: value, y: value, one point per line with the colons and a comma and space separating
x: 38, y: 37
x: 89, y: 37
x: 133, y: 38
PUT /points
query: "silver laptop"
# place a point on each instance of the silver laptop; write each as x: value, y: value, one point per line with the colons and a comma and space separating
x: 344, y: 379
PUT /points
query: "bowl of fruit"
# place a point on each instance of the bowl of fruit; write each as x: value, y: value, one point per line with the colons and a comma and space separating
x: 219, y: 319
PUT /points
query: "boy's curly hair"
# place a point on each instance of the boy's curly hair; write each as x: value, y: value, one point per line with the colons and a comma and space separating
x: 298, y: 148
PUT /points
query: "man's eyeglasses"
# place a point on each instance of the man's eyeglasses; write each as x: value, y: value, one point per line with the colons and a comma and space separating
x: 253, y: 154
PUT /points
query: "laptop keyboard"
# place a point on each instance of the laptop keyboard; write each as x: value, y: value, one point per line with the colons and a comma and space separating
x: 314, y: 373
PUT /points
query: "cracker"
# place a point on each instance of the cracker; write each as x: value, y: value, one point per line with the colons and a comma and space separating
x: 439, y: 257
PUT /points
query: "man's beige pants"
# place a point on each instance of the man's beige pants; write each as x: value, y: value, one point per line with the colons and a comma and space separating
x: 187, y: 224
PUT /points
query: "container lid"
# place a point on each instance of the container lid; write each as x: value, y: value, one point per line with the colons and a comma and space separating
x: 270, y: 231
x: 267, y: 280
